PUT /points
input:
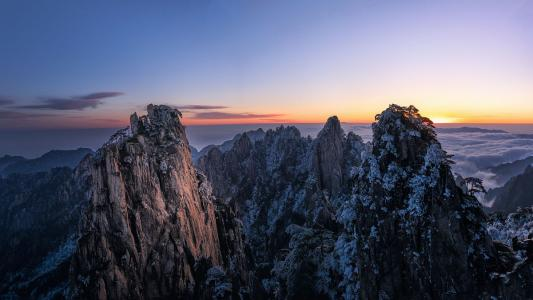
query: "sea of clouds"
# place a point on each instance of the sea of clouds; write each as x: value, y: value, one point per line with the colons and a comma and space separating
x: 476, y: 149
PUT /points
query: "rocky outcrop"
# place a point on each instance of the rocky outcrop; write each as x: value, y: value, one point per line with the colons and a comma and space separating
x: 415, y: 216
x: 286, y: 188
x: 328, y: 150
x: 151, y: 218
x: 514, y: 226
x: 418, y: 235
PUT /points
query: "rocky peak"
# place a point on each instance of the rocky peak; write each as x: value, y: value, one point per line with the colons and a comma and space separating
x: 331, y: 128
x: 406, y: 196
x: 243, y: 145
x: 151, y: 217
x: 328, y: 152
x: 401, y: 134
x: 286, y: 188
x: 162, y: 121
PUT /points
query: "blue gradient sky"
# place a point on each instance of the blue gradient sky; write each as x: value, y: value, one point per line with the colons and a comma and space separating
x: 64, y: 63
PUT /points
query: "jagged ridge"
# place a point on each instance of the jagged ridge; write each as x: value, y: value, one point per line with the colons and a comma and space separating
x: 151, y: 221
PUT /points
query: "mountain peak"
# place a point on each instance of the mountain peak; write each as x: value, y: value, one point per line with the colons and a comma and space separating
x: 160, y: 119
x: 398, y: 118
x: 150, y: 214
x: 332, y: 122
x: 329, y: 154
x: 331, y: 128
x: 402, y: 134
x: 162, y: 114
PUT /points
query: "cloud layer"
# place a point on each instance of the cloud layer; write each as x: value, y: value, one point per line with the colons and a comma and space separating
x: 225, y: 115
x: 6, y: 101
x: 15, y: 115
x: 92, y: 100
x: 200, y: 107
x: 212, y: 112
x: 475, y: 150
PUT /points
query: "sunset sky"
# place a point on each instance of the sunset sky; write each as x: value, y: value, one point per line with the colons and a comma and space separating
x: 85, y: 64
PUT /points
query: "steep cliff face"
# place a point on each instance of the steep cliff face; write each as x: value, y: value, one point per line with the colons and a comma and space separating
x: 150, y: 218
x: 417, y: 234
x: 415, y: 216
x: 287, y: 189
x: 328, y: 150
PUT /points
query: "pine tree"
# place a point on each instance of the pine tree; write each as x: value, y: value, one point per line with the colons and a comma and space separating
x: 474, y: 186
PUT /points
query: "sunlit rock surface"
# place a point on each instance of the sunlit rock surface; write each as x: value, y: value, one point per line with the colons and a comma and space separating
x: 151, y: 217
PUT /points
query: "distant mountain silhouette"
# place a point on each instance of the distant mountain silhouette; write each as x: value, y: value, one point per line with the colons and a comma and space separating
x: 48, y: 161
x: 504, y: 172
x: 253, y: 135
x: 517, y: 192
x: 8, y: 160
x: 469, y: 130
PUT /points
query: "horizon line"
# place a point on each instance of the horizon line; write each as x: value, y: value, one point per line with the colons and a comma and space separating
x: 249, y: 124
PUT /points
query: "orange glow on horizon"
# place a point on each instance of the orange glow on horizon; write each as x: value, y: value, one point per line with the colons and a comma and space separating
x: 444, y: 120
x: 358, y: 117
x: 321, y: 120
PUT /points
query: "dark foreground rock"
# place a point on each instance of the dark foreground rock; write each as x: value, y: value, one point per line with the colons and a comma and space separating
x: 286, y: 188
x: 333, y: 218
x: 39, y: 215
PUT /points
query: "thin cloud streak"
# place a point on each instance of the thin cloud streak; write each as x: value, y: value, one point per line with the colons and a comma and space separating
x: 92, y: 100
x: 13, y: 115
x: 100, y: 95
x: 218, y: 115
x: 200, y: 107
x: 6, y: 101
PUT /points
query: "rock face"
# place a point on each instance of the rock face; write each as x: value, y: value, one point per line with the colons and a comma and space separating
x: 415, y: 217
x: 328, y: 156
x: 286, y: 188
x: 417, y: 234
x: 151, y: 218
x: 515, y: 226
